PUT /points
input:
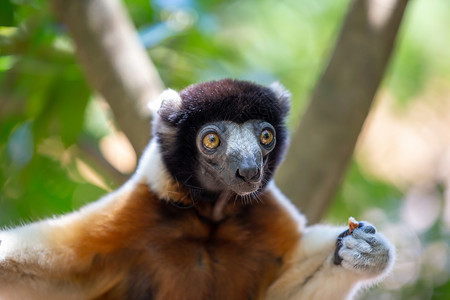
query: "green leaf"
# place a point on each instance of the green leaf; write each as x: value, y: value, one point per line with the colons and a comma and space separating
x: 72, y: 97
x: 6, y: 13
x: 86, y: 193
x: 442, y: 292
x: 40, y: 190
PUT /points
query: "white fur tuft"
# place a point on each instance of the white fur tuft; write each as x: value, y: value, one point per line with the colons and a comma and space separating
x: 169, y: 97
x: 283, y: 95
x: 151, y: 169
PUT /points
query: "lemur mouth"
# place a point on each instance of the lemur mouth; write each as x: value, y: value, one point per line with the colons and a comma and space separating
x: 246, y: 188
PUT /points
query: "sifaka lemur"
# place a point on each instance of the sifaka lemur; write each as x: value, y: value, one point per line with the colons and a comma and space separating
x: 201, y: 218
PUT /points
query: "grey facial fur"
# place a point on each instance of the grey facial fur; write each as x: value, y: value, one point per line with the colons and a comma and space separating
x: 238, y: 162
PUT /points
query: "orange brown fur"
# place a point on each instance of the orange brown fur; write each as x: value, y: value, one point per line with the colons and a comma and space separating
x: 159, y: 251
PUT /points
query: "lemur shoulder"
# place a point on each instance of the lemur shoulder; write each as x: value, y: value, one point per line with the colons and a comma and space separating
x: 200, y: 219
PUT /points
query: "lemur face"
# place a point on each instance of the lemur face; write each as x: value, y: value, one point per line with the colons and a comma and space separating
x: 234, y: 156
x: 225, y: 135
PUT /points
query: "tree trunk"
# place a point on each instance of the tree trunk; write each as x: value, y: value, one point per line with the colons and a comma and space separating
x: 324, y: 142
x: 114, y: 61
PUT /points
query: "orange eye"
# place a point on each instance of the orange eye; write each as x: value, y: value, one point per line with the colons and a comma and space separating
x: 266, y: 137
x: 211, y: 141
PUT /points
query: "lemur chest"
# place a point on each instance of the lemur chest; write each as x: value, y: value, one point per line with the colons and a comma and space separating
x: 200, y: 260
x: 178, y: 253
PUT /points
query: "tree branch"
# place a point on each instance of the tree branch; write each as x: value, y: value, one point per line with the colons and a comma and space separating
x: 93, y: 155
x: 114, y: 62
x: 324, y: 142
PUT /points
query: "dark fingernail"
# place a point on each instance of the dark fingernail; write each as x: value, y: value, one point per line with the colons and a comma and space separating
x: 369, y: 229
x: 337, y: 259
x: 344, y: 234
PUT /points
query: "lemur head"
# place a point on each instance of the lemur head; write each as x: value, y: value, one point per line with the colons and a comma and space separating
x: 223, y: 136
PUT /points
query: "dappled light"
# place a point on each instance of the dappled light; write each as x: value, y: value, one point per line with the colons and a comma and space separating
x: 118, y: 151
x: 378, y: 12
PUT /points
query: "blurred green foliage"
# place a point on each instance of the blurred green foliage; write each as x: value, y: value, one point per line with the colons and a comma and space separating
x: 422, y: 54
x: 43, y: 95
x: 47, y: 109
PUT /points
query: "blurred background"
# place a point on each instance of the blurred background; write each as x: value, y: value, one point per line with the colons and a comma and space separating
x: 60, y: 147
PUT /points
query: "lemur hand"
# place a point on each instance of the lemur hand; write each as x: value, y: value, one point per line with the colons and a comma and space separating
x: 364, y: 251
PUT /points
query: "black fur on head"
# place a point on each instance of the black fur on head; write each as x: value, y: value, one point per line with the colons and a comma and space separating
x: 179, y: 121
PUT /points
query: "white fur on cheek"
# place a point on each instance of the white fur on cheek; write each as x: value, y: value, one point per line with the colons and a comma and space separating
x: 152, y: 169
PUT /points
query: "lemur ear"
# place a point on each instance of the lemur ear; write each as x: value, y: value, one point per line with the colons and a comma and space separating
x: 283, y: 96
x: 167, y: 104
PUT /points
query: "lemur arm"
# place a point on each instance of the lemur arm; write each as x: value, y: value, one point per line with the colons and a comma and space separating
x: 33, y: 265
x: 314, y: 273
x: 53, y: 258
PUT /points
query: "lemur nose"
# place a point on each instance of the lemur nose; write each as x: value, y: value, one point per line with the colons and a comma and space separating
x: 248, y: 170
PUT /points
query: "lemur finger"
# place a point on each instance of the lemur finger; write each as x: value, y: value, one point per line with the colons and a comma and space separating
x: 356, y: 259
x: 359, y: 245
x: 350, y: 257
x: 368, y: 237
x: 367, y: 227
x: 352, y: 264
x: 337, y: 259
x: 365, y: 263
